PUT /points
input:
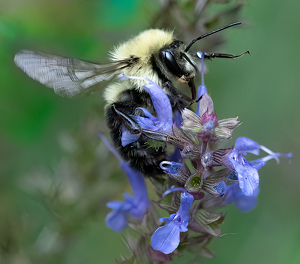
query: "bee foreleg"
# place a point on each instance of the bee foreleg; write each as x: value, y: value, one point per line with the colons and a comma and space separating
x: 223, y: 55
x: 128, y: 122
x: 163, y: 137
x: 178, y: 99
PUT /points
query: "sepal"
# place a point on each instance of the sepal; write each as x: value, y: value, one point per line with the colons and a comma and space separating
x: 209, y: 222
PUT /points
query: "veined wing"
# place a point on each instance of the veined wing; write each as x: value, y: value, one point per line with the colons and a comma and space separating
x: 67, y: 77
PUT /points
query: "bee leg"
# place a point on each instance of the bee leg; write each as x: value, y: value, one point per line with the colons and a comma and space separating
x: 223, y: 55
x: 159, y: 136
x: 128, y: 122
x: 178, y: 99
x: 138, y: 154
x: 174, y: 91
x: 163, y: 137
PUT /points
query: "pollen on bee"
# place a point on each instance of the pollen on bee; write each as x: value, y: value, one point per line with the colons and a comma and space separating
x: 183, y: 79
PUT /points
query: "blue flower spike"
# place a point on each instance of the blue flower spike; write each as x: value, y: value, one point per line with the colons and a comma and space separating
x: 135, y: 205
x: 166, y: 238
x: 248, y: 170
x: 163, y: 122
x: 196, y: 138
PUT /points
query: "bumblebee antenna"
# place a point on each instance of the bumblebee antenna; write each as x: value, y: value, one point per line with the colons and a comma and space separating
x: 210, y: 33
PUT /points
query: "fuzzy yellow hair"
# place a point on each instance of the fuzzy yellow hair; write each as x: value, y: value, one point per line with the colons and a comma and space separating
x: 142, y: 46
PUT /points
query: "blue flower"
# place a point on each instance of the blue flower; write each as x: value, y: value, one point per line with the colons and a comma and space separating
x: 161, y: 103
x: 135, y: 205
x: 166, y: 238
x: 248, y: 170
x: 177, y: 118
x: 127, y: 137
x: 172, y: 167
x: 242, y: 202
x: 175, y: 170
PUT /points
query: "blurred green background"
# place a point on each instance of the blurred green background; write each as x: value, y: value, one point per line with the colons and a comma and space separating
x: 56, y: 176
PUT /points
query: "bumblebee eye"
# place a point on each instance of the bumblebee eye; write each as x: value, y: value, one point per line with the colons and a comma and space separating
x: 169, y: 60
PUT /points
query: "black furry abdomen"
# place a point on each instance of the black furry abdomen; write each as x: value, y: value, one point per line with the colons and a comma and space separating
x: 139, y: 155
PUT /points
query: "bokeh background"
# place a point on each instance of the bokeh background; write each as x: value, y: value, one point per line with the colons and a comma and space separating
x: 56, y: 175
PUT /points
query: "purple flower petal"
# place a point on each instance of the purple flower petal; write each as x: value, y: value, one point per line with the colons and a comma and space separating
x: 243, y: 203
x: 161, y: 105
x: 110, y: 146
x: 245, y: 145
x: 127, y: 137
x: 175, y: 156
x: 117, y: 205
x: 246, y: 203
x: 148, y: 114
x: 135, y: 205
x: 257, y: 164
x: 248, y: 170
x: 167, y: 219
x: 273, y: 155
x: 202, y: 88
x: 185, y: 204
x: 166, y: 238
x: 248, y: 178
x: 171, y: 167
x: 174, y: 189
x: 139, y: 201
x: 148, y: 123
x: 177, y: 118
x: 117, y: 219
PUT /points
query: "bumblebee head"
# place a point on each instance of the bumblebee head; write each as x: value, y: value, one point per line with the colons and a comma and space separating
x: 176, y: 63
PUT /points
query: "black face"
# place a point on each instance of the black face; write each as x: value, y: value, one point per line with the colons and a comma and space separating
x: 170, y: 57
x: 175, y: 61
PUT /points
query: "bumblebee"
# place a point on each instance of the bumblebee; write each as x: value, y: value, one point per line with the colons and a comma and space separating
x: 155, y: 54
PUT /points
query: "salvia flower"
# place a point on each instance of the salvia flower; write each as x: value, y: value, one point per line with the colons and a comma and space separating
x: 176, y: 170
x: 135, y: 205
x: 242, y: 202
x: 248, y: 170
x: 166, y: 238
x: 161, y: 103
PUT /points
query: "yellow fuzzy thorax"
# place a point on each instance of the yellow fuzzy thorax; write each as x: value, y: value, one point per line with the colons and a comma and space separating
x: 143, y: 45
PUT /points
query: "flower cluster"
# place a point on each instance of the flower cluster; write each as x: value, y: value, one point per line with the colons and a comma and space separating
x: 201, y: 177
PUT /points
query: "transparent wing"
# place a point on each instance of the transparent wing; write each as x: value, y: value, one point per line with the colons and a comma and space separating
x: 67, y: 77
